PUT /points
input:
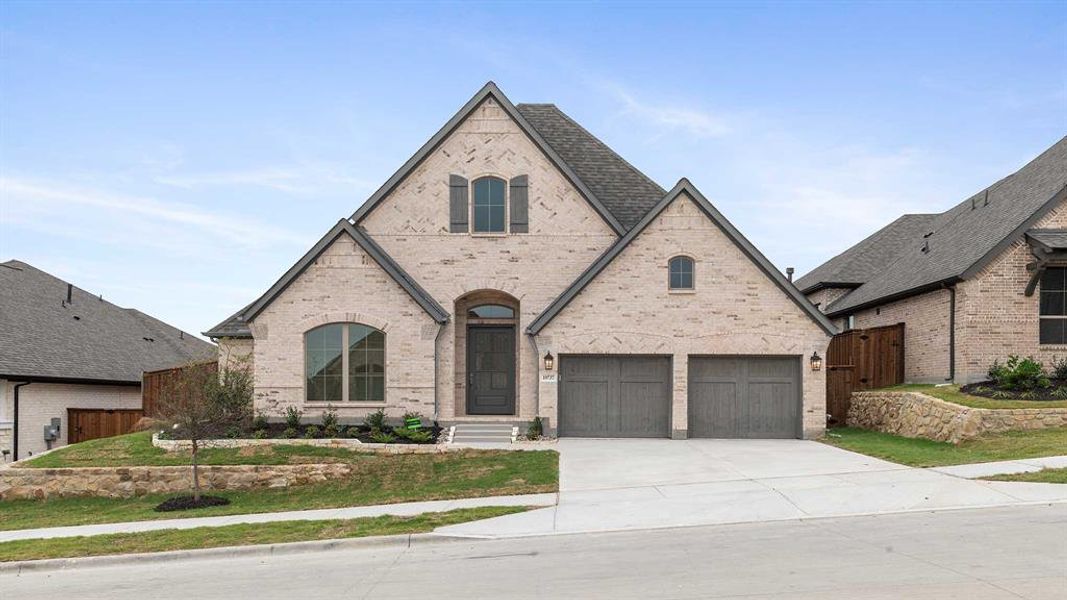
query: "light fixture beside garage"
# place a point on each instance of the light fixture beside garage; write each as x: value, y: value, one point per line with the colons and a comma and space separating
x: 816, y: 361
x: 550, y: 361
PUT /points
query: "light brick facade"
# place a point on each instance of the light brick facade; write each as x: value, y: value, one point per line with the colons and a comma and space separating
x: 39, y: 403
x: 994, y: 318
x: 736, y: 308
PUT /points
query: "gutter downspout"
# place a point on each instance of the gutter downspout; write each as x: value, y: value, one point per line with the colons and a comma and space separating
x: 436, y: 364
x: 15, y: 431
x: 952, y: 333
x: 537, y: 394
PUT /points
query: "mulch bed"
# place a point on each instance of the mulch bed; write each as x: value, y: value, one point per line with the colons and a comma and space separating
x: 987, y: 389
x: 187, y: 502
x: 354, y: 432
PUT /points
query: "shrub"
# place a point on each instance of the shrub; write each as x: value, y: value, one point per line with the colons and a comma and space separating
x: 381, y: 437
x: 259, y: 434
x: 290, y: 433
x: 332, y: 431
x: 1060, y: 392
x: 293, y: 415
x: 420, y: 436
x: 375, y: 420
x: 233, y: 432
x: 1000, y: 395
x: 329, y: 418
x: 353, y: 432
x: 311, y: 432
x: 259, y: 422
x: 1058, y: 368
x: 1028, y: 395
x: 536, y: 429
x: 1019, y: 374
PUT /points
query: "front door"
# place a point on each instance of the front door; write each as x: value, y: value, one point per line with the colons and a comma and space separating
x: 491, y: 370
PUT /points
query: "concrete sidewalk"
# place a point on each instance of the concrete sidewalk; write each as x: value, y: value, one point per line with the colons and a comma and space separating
x: 1004, y: 467
x: 354, y: 512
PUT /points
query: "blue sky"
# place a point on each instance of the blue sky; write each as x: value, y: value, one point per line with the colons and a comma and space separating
x: 177, y: 158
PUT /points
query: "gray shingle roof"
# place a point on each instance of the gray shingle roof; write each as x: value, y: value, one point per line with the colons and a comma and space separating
x: 91, y: 339
x: 862, y: 262
x: 625, y: 191
x: 1056, y: 239
x: 967, y: 236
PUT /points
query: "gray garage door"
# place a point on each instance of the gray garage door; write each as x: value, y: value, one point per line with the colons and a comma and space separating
x: 615, y: 396
x: 744, y: 397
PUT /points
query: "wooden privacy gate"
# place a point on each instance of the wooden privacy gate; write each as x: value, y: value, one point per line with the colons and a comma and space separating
x: 91, y: 423
x: 862, y: 359
x: 158, y: 386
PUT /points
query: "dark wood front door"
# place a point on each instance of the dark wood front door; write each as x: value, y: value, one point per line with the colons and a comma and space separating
x: 491, y: 370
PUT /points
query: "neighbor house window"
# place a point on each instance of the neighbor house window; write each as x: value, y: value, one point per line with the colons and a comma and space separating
x: 344, y: 362
x: 681, y: 273
x: 489, y: 205
x: 1053, y: 306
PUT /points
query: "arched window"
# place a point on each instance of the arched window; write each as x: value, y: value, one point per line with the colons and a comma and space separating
x: 344, y: 362
x: 491, y: 311
x: 681, y: 273
x: 489, y: 205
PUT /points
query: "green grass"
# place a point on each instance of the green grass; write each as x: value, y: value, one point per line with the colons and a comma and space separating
x: 927, y: 453
x: 376, y: 479
x: 242, y: 535
x: 1042, y: 476
x: 952, y: 393
x: 136, y: 449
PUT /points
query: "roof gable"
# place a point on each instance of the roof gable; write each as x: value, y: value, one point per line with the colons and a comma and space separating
x: 731, y: 232
x: 489, y: 90
x: 237, y: 324
x: 43, y: 336
x: 965, y: 238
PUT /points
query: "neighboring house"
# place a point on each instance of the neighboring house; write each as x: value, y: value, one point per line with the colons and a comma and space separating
x: 516, y: 267
x: 976, y: 283
x: 64, y: 348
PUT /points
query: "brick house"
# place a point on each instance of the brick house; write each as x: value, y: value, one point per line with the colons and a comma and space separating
x: 975, y: 283
x: 516, y: 267
x: 64, y: 348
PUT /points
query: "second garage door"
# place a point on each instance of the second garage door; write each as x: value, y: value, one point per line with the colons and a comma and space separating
x: 744, y: 397
x: 615, y: 396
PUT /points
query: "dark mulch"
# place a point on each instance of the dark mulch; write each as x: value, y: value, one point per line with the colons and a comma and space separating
x: 187, y: 502
x: 987, y: 389
x: 357, y: 432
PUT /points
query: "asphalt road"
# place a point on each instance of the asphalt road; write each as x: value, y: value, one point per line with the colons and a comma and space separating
x: 1016, y: 552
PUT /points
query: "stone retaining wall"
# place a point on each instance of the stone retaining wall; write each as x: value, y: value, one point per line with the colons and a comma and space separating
x: 124, y: 482
x: 916, y: 415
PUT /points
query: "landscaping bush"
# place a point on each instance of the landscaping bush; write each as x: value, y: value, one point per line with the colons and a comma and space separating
x: 1019, y: 374
x: 381, y: 437
x: 311, y: 432
x: 1058, y: 368
x: 290, y: 433
x: 329, y: 418
x: 536, y: 429
x: 417, y: 436
x: 259, y: 422
x: 375, y: 421
x: 293, y: 415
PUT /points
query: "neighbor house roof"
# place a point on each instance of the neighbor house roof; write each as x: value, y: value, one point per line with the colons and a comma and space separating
x: 43, y: 337
x: 618, y: 192
x: 731, y: 232
x: 937, y: 250
x: 237, y: 324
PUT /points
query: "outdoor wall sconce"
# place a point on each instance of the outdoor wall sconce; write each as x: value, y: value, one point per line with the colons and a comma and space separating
x: 550, y: 361
x: 816, y: 362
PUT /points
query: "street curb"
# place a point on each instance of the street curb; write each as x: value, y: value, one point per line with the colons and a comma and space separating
x: 406, y: 540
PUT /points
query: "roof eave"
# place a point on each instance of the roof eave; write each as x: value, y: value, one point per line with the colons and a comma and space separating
x: 915, y: 291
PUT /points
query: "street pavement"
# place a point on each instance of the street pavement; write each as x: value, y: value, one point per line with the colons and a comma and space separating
x: 977, y: 554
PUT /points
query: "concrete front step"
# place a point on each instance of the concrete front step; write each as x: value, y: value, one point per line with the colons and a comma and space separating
x: 483, y: 433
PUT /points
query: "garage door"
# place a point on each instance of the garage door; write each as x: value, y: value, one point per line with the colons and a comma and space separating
x: 744, y: 397
x: 615, y: 396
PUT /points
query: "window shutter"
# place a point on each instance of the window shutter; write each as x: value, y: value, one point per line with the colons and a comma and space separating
x: 520, y: 221
x: 457, y: 204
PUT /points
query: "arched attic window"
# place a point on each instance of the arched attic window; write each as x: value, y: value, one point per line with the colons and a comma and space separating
x: 344, y: 362
x: 489, y: 202
x: 680, y: 273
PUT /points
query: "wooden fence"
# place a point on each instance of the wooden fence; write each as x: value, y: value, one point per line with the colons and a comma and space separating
x: 91, y: 423
x: 158, y: 385
x: 862, y: 359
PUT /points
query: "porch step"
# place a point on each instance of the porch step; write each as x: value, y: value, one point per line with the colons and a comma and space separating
x: 483, y: 433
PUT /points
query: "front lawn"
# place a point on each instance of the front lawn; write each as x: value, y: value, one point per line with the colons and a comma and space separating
x: 1042, y: 476
x: 242, y: 535
x: 915, y: 452
x: 376, y: 479
x: 952, y: 393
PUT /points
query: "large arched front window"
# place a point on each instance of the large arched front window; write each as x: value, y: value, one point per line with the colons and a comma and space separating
x: 344, y: 362
x: 489, y: 205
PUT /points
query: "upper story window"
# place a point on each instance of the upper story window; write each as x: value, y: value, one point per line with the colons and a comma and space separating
x: 489, y: 211
x: 344, y: 362
x: 491, y: 311
x: 680, y: 270
x: 1053, y: 306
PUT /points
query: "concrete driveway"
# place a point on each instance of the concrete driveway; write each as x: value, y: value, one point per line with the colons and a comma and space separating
x: 613, y: 485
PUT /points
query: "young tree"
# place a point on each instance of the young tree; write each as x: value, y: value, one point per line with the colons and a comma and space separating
x: 207, y: 403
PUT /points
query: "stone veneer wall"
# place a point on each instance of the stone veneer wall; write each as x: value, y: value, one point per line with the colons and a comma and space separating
x: 124, y: 482
x: 916, y: 415
x: 734, y: 309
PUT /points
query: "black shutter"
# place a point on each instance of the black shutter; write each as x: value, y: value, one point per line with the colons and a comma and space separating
x: 520, y: 202
x: 457, y: 204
